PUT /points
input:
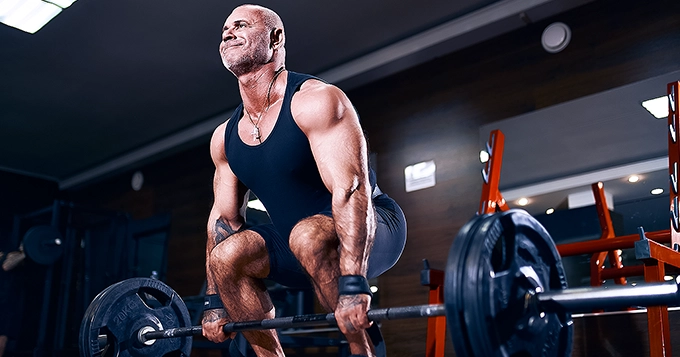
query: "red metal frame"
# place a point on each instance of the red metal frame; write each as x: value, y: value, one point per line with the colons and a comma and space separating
x: 492, y: 200
x: 436, y: 326
x: 622, y: 242
x: 597, y: 260
x: 655, y: 256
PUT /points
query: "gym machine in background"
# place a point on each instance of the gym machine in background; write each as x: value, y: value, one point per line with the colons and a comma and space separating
x: 72, y: 253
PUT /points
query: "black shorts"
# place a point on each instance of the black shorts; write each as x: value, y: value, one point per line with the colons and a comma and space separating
x: 390, y: 239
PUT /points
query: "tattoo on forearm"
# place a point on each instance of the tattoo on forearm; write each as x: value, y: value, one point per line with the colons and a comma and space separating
x: 214, y: 315
x: 349, y: 300
x: 222, y: 230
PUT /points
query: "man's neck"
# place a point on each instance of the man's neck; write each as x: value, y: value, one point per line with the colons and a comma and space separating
x: 257, y: 89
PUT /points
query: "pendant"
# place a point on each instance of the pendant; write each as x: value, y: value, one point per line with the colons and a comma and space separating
x: 255, y: 133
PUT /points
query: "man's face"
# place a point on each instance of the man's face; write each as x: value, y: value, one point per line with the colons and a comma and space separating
x: 245, y: 41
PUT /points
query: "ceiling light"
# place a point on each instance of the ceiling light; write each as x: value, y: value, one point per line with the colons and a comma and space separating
x: 556, y: 37
x: 483, y: 156
x: 657, y: 191
x: 550, y: 211
x: 658, y: 107
x: 62, y: 3
x: 668, y: 278
x: 30, y: 15
x: 374, y: 289
x: 523, y: 201
x: 633, y: 178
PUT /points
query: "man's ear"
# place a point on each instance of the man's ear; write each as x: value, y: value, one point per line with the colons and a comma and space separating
x: 276, y: 38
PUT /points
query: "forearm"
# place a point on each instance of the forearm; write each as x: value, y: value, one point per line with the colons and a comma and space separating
x: 219, y: 229
x: 354, y: 217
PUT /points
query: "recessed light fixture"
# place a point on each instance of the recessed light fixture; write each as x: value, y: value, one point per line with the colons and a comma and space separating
x: 556, y: 37
x: 374, y: 289
x: 523, y: 201
x: 657, y: 191
x: 550, y: 211
x: 483, y: 156
x: 658, y: 107
x: 633, y: 178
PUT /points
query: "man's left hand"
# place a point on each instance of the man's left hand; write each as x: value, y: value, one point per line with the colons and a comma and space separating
x: 351, y: 313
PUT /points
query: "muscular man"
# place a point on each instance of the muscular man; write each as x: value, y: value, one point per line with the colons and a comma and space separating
x: 295, y: 142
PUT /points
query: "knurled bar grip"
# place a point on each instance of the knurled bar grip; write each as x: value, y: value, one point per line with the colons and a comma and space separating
x: 391, y: 313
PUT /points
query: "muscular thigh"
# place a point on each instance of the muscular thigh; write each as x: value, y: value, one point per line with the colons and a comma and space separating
x: 320, y: 227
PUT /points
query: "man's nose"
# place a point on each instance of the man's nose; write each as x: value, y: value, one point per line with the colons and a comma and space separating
x: 227, y: 34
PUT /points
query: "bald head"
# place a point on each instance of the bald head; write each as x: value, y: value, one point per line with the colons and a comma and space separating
x: 252, y: 38
x: 271, y: 19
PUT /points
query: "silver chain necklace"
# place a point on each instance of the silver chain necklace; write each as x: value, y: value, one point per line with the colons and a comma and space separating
x: 256, y: 133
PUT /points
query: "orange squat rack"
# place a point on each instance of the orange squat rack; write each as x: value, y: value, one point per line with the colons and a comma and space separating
x: 649, y: 249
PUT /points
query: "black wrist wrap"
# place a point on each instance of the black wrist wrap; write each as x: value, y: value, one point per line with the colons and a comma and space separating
x: 353, y: 285
x: 212, y: 302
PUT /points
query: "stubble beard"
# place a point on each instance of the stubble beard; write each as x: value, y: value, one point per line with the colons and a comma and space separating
x: 246, y: 62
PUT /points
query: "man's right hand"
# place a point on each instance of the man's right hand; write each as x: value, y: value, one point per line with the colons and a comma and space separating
x: 212, y: 323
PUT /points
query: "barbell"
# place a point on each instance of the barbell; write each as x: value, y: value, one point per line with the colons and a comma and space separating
x: 505, y: 294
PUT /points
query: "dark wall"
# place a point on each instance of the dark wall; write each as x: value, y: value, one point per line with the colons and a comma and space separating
x: 19, y: 195
x: 179, y: 185
x: 431, y: 112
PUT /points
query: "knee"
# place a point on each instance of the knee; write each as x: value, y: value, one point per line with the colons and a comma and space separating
x: 313, y: 235
x: 224, y: 259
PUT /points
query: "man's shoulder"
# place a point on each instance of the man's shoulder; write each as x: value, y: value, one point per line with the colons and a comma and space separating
x: 315, y: 90
x: 218, y: 134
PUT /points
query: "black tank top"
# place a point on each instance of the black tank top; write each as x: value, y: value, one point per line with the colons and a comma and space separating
x: 281, y: 171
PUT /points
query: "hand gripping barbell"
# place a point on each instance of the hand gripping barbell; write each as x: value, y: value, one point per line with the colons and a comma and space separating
x: 505, y: 294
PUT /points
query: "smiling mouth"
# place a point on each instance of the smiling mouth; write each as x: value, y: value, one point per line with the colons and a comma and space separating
x: 230, y: 44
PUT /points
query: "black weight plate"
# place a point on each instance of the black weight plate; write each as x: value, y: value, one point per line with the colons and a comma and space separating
x: 506, y: 258
x: 454, y: 287
x: 122, y: 309
x: 40, y: 244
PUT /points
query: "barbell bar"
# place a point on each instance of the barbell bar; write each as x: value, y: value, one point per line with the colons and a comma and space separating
x: 310, y: 320
x: 575, y: 299
x: 504, y: 290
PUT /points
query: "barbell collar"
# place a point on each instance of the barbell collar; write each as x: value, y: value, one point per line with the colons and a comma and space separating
x: 587, y: 299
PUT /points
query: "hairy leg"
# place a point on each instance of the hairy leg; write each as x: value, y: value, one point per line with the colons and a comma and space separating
x: 315, y: 244
x: 238, y: 265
